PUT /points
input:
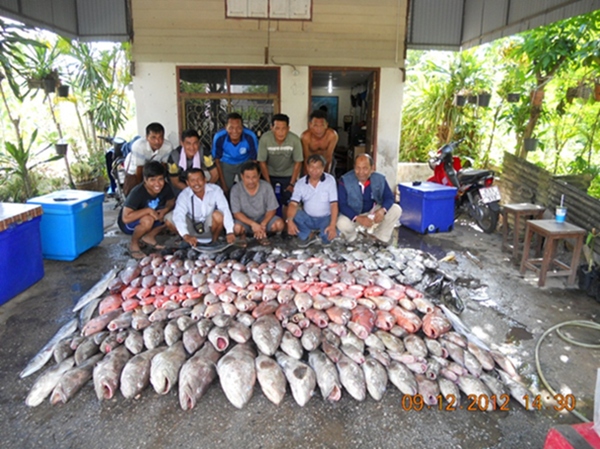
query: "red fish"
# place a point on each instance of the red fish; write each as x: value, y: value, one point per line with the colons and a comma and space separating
x: 130, y: 304
x: 435, y: 324
x: 395, y: 294
x: 374, y: 290
x: 318, y: 317
x: 384, y: 320
x: 407, y: 320
x: 365, y: 317
x: 217, y: 288
x: 129, y: 292
x: 110, y: 303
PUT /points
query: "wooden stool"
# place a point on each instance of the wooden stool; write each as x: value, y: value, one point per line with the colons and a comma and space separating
x: 553, y: 232
x: 519, y: 210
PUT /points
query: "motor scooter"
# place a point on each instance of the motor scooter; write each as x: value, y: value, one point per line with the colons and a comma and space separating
x: 115, y: 166
x: 476, y: 193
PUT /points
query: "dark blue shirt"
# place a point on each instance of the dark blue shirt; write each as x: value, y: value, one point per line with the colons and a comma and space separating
x: 367, y: 200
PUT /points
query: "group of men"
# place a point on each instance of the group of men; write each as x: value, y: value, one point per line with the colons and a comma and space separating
x: 202, y: 197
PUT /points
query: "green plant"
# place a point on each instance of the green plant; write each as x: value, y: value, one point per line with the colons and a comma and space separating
x: 588, y: 249
x: 83, y: 171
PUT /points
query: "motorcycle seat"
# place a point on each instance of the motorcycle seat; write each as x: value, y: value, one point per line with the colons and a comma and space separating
x: 469, y: 176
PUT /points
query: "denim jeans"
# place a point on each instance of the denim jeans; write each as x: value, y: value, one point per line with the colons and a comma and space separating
x: 306, y: 224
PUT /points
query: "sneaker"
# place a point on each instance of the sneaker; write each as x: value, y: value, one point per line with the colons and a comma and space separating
x: 305, y: 243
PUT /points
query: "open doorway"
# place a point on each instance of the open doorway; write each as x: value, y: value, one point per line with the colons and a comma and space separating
x: 349, y: 96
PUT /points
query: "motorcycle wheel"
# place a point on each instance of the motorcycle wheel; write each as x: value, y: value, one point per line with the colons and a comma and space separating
x: 486, y: 218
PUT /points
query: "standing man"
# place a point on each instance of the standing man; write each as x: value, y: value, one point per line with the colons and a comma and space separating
x: 187, y: 156
x: 201, y: 211
x: 366, y: 200
x: 144, y: 213
x: 254, y: 205
x: 233, y: 146
x: 280, y: 156
x: 152, y: 148
x: 319, y: 138
x: 318, y: 193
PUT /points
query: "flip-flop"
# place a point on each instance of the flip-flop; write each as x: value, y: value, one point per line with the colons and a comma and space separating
x: 137, y: 254
x: 154, y: 247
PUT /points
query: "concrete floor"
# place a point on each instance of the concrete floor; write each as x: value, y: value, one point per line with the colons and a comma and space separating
x: 513, y: 318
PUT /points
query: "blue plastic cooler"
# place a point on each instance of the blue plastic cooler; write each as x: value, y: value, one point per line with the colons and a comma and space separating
x: 427, y: 207
x: 21, y: 263
x: 72, y: 223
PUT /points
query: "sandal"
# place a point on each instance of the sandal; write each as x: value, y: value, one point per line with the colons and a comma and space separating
x: 152, y: 246
x: 136, y: 254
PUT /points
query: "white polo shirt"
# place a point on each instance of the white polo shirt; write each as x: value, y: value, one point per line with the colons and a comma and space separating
x: 214, y: 199
x: 142, y: 153
x: 317, y: 200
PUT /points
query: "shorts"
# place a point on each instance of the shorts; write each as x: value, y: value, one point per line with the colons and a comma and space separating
x: 284, y: 182
x: 128, y: 228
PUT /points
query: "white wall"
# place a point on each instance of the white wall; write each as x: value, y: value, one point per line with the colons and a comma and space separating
x: 294, y: 97
x: 388, y: 125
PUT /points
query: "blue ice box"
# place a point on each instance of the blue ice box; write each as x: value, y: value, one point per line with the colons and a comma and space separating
x: 427, y: 207
x: 21, y: 262
x: 72, y: 222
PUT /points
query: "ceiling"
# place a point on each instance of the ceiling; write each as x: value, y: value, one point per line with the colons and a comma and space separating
x: 432, y: 24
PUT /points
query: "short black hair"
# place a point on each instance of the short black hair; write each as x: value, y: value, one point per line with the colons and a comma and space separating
x: 316, y: 158
x: 280, y: 118
x: 189, y: 171
x: 234, y: 116
x: 249, y: 165
x: 319, y: 113
x: 189, y: 133
x: 152, y: 169
x: 155, y: 128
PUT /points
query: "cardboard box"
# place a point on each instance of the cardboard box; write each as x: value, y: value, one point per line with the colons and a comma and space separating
x: 427, y: 207
x: 72, y: 223
x: 21, y: 262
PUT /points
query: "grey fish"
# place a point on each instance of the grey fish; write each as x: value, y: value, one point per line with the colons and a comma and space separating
x: 271, y: 378
x: 196, y: 375
x: 139, y: 320
x: 222, y: 320
x: 96, y: 290
x: 107, y: 372
x: 391, y: 342
x: 353, y: 340
x: 353, y: 353
x: 239, y: 332
x: 494, y: 384
x: 240, y: 279
x: 381, y: 356
x: 62, y: 350
x: 72, y: 380
x: 376, y: 378
x: 219, y: 338
x: 123, y: 321
x: 352, y: 378
x: 204, y: 326
x: 327, y: 375
x: 449, y: 391
x: 484, y: 357
x: 300, y: 376
x: 434, y: 347
x: 311, y: 338
x: 291, y: 345
x: 45, y: 354
x: 164, y: 369
x: 88, y: 311
x: 85, y: 350
x: 237, y: 374
x: 134, y: 342
x: 267, y: 334
x: 428, y: 389
x: 136, y: 373
x: 192, y: 340
x: 46, y: 382
x: 402, y: 378
x: 197, y: 312
x: 472, y: 386
x: 517, y: 390
x: 415, y: 345
x: 331, y: 351
x: 154, y: 335
x: 472, y: 364
x: 172, y: 333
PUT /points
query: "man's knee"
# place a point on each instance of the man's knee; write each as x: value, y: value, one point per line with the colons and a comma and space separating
x: 277, y: 225
x: 393, y: 213
x: 239, y: 229
x: 146, y: 223
x: 217, y: 218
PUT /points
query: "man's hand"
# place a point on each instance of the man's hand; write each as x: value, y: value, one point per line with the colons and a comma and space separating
x: 259, y: 230
x: 292, y: 228
x: 331, y: 231
x: 364, y: 220
x: 230, y: 238
x: 290, y: 188
x: 379, y: 215
x: 154, y: 214
x: 193, y: 241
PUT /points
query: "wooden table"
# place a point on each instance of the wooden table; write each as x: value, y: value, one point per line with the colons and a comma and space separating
x: 553, y: 233
x: 518, y: 211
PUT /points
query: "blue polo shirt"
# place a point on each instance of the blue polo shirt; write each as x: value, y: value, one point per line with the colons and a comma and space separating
x: 235, y: 154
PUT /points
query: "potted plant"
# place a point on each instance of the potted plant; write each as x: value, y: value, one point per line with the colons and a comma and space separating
x: 85, y: 176
x: 483, y: 99
x: 460, y: 100
x: 588, y: 274
x: 530, y: 144
x: 513, y: 97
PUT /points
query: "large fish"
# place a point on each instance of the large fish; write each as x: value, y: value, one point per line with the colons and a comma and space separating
x: 136, y: 373
x: 97, y: 290
x: 376, y: 378
x: 108, y: 372
x: 300, y: 376
x: 237, y: 374
x: 352, y: 378
x: 45, y: 354
x: 271, y: 378
x: 327, y: 376
x: 267, y: 334
x: 46, y: 382
x: 72, y: 380
x: 164, y: 369
x: 402, y: 378
x: 196, y: 375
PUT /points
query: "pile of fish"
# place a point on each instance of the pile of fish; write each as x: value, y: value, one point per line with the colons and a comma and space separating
x: 338, y: 318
